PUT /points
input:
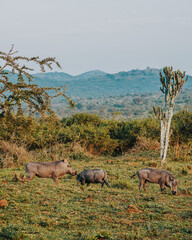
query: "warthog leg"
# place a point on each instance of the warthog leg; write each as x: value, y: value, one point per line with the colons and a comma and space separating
x: 105, y: 181
x: 55, y: 178
x: 100, y: 181
x: 142, y: 184
x: 83, y: 182
x: 162, y: 186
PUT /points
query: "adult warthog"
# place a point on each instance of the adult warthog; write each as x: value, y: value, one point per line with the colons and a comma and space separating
x: 55, y: 170
x: 93, y: 176
x: 162, y: 177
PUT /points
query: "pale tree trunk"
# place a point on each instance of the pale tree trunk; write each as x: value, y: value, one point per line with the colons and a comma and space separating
x: 166, y: 135
x: 163, y: 130
x: 172, y: 82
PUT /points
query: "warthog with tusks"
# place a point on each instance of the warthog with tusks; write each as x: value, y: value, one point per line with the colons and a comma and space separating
x: 162, y: 177
x: 55, y: 170
x: 92, y: 176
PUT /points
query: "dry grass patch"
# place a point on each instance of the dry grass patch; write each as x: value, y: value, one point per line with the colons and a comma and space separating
x: 13, y: 155
x: 143, y: 143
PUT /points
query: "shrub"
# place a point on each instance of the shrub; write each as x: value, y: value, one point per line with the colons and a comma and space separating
x: 82, y: 118
x: 182, y: 127
x: 97, y: 136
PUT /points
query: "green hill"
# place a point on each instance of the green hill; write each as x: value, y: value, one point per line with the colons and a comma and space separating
x: 133, y: 93
x: 96, y: 84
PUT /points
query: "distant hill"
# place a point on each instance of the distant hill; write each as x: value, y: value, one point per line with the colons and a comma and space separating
x: 96, y: 84
x: 131, y: 94
x: 91, y: 74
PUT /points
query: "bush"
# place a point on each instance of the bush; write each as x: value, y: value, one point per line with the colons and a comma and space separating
x: 93, y: 134
x: 82, y: 118
x: 182, y: 127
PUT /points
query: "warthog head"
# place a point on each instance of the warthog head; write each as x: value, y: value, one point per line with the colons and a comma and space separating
x: 173, y: 185
x: 71, y: 171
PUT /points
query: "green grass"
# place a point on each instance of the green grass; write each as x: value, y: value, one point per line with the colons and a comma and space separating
x: 39, y: 209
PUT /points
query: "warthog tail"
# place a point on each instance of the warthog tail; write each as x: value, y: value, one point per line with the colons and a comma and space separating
x: 133, y: 175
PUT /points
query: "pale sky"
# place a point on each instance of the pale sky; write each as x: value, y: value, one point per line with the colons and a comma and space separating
x: 109, y: 35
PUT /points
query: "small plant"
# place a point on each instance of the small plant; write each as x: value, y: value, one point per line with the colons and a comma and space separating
x: 12, y: 232
x: 148, y: 198
x: 101, y: 236
x: 184, y: 172
x: 122, y: 185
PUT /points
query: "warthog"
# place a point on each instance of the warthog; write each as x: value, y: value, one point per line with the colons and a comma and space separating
x: 162, y: 177
x: 93, y: 176
x: 55, y: 170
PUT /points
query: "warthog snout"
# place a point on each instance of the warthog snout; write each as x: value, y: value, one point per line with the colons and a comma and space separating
x: 173, y: 185
x: 72, y: 172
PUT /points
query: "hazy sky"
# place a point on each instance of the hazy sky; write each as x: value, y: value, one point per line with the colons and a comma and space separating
x: 110, y: 35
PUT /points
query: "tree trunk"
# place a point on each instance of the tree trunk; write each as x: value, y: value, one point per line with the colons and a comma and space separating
x: 166, y: 137
x: 163, y: 130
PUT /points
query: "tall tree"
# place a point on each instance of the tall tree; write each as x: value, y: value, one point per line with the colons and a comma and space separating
x: 25, y: 92
x: 172, y: 82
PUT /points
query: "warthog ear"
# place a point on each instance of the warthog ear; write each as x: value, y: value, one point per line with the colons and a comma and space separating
x: 64, y: 160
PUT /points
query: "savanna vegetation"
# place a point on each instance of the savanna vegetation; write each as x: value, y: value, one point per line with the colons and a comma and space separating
x: 40, y: 209
x: 94, y: 134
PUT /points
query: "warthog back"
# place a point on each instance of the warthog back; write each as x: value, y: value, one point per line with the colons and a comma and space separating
x: 93, y: 176
x: 55, y: 170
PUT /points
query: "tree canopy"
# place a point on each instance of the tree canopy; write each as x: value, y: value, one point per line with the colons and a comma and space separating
x: 24, y: 95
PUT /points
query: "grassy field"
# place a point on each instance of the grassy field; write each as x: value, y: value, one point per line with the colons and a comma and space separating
x: 40, y: 209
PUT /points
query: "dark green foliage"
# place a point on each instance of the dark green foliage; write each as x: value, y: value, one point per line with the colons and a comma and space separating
x: 182, y: 127
x: 91, y: 131
x: 12, y: 232
x: 29, y: 131
x: 82, y: 118
x: 127, y: 132
x: 172, y: 82
x: 94, y: 134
